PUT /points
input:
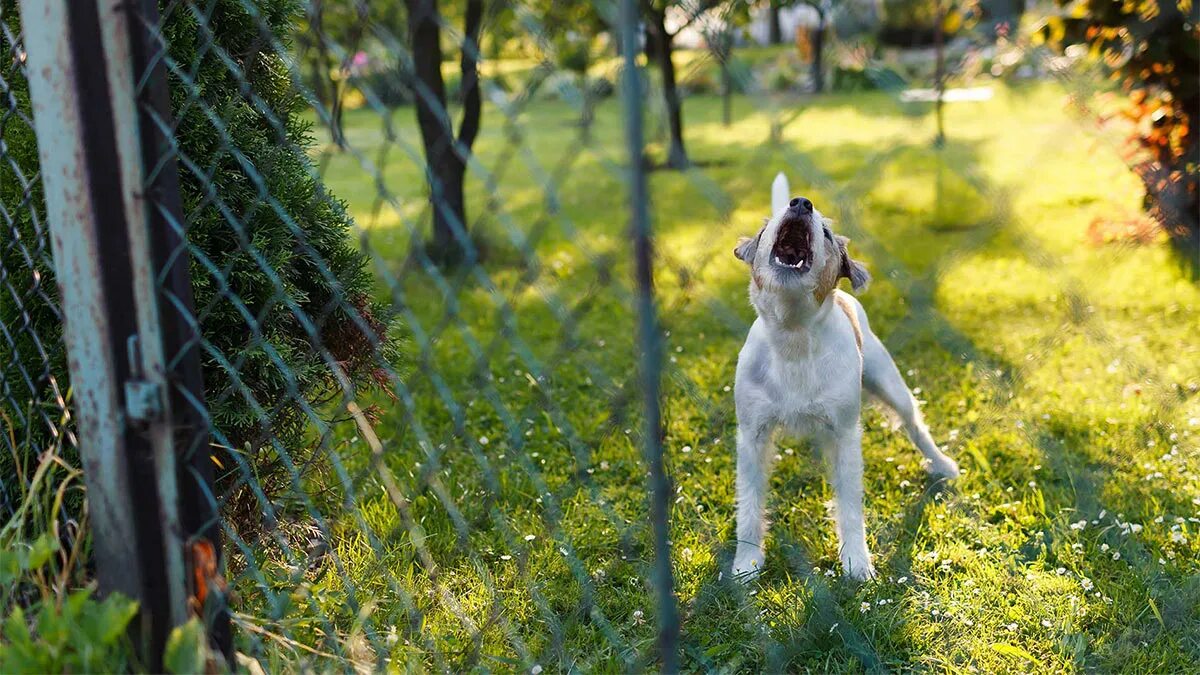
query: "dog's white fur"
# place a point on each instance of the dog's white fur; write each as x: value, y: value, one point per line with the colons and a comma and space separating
x: 802, y: 371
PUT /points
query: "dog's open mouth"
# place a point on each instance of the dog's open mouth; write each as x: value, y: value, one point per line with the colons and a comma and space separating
x: 793, y: 245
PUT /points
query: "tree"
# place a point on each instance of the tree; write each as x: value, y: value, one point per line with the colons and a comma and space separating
x: 445, y: 153
x: 774, y: 29
x: 327, y: 28
x: 659, y: 49
x: 570, y: 31
x: 719, y: 33
x: 824, y: 8
x: 1150, y: 48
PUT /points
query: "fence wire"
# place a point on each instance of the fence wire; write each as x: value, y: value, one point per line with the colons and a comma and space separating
x: 34, y: 410
x: 444, y: 450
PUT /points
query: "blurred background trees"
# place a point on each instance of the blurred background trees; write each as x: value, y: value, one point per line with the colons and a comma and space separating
x: 1150, y: 46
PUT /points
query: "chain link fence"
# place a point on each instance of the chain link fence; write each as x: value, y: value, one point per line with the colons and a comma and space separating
x: 39, y: 455
x: 417, y: 362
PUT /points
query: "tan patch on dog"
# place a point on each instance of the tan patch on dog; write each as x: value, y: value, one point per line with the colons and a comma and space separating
x: 827, y: 279
x: 843, y: 302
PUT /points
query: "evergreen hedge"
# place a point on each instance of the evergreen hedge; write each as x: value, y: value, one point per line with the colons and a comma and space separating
x: 240, y: 132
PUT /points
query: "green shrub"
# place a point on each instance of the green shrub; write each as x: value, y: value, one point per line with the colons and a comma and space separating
x: 304, y: 239
x: 49, y: 620
x: 80, y: 634
x: 277, y: 280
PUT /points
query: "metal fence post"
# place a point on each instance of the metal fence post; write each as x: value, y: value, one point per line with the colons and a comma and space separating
x: 81, y: 64
x: 649, y: 339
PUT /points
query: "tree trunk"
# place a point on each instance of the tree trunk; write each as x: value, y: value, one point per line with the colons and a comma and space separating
x: 588, y: 114
x: 342, y: 84
x: 939, y: 73
x: 774, y: 28
x: 660, y: 42
x: 469, y: 68
x: 443, y: 168
x: 726, y: 94
x: 724, y: 52
x: 445, y: 163
x: 327, y: 88
x: 818, y: 47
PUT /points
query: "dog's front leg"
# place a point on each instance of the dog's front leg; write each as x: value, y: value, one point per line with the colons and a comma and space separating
x: 843, y: 448
x: 753, y: 469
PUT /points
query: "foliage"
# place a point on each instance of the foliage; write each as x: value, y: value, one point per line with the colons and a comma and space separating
x: 80, y: 634
x: 50, y: 621
x: 253, y: 312
x: 187, y: 648
x: 261, y: 369
x: 1152, y: 50
x: 914, y: 23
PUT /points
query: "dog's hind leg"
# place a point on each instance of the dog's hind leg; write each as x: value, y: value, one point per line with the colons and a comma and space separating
x: 882, y: 380
x: 753, y: 470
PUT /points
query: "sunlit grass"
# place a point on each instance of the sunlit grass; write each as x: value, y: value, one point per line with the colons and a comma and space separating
x: 1063, y: 378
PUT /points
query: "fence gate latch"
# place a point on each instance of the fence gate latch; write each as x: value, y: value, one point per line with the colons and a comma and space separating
x: 143, y: 398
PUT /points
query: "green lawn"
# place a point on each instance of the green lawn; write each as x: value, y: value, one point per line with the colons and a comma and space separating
x: 1061, y: 375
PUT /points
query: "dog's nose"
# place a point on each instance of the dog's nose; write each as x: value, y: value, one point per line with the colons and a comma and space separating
x: 801, y: 204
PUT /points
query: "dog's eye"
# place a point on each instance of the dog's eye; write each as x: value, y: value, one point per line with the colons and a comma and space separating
x: 828, y: 234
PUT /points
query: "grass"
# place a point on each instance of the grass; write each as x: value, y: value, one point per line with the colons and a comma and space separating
x: 501, y: 522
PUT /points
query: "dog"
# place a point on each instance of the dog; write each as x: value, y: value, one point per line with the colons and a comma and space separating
x: 806, y: 361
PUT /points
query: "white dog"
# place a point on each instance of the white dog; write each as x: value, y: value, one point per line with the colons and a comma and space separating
x: 805, y: 363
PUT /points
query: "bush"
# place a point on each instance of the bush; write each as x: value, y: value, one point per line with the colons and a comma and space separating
x: 1154, y: 58
x: 303, y: 238
x: 79, y: 635
x: 49, y: 620
x: 783, y: 74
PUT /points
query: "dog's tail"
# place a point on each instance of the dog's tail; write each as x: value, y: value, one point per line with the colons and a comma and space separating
x: 780, y: 193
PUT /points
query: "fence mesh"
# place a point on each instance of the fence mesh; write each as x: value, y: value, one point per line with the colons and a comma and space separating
x: 431, y: 448
x: 37, y: 427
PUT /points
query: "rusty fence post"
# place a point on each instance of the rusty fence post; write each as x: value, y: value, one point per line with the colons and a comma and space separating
x: 129, y: 367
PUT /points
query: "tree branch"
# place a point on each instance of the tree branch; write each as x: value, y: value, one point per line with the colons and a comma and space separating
x: 472, y: 99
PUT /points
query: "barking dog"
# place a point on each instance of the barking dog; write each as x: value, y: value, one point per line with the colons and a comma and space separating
x: 806, y: 361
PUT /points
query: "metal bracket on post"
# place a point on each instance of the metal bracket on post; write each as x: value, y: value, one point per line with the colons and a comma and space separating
x: 143, y: 398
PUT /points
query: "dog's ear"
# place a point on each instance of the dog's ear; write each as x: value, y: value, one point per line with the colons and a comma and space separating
x: 851, y: 268
x: 746, y: 247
